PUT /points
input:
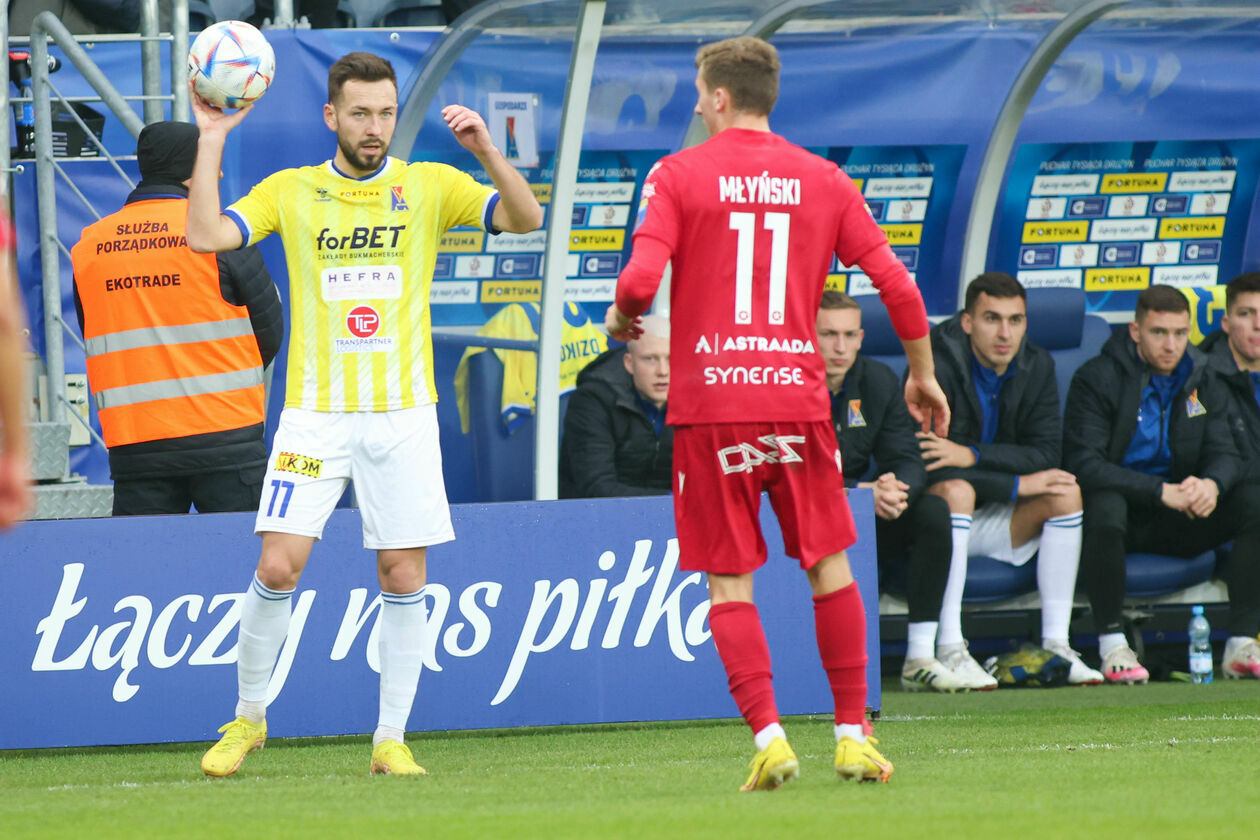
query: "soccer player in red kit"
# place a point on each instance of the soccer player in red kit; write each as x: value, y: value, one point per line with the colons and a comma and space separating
x: 750, y: 222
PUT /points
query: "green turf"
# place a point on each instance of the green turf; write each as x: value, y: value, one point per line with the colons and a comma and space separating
x: 1160, y: 761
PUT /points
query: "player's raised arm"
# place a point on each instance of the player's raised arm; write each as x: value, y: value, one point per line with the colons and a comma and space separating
x: 208, y: 229
x: 518, y: 210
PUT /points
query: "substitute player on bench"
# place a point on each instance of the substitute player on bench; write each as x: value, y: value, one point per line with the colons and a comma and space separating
x: 750, y: 222
x: 360, y: 236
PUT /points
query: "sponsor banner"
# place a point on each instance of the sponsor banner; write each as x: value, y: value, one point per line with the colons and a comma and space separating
x: 1038, y: 256
x: 597, y: 240
x: 1202, y: 181
x: 619, y: 192
x: 876, y: 209
x: 1164, y: 252
x: 1206, y: 204
x: 836, y: 282
x: 1078, y: 255
x: 1169, y: 205
x: 506, y: 243
x: 909, y: 257
x: 898, y: 188
x: 607, y: 215
x: 903, y: 234
x: 580, y: 212
x: 1107, y: 230
x: 1087, y: 208
x: 518, y: 265
x: 1121, y: 253
x: 1117, y: 279
x: 542, y: 192
x: 461, y: 241
x: 1205, y: 227
x: 1185, y: 276
x: 479, y: 265
x: 540, y: 613
x: 443, y: 266
x: 513, y: 126
x: 453, y: 291
x: 511, y: 291
x: 1046, y: 208
x: 1128, y: 205
x: 1064, y: 185
x: 860, y: 284
x: 1134, y: 182
x: 1201, y: 252
x: 1050, y: 279
x: 1054, y: 231
x: 913, y: 210
x: 581, y: 290
x: 600, y: 265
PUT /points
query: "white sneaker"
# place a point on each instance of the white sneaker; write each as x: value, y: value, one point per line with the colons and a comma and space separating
x: 928, y: 674
x: 1120, y: 666
x: 964, y: 668
x: 1081, y: 674
x: 1241, y: 659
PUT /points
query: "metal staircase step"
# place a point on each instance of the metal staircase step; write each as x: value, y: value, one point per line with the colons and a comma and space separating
x: 74, y: 499
x: 50, y: 451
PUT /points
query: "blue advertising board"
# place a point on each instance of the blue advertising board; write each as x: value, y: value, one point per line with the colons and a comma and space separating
x: 123, y: 630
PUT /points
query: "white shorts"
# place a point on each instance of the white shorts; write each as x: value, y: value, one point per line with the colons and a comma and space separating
x: 393, y: 457
x: 991, y: 535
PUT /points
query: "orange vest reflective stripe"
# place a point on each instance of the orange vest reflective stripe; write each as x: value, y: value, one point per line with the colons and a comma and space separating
x: 167, y: 356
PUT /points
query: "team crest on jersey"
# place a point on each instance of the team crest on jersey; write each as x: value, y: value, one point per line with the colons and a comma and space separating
x: 396, y: 200
x: 321, y: 194
x: 1194, y: 408
x: 856, y: 420
x: 300, y: 464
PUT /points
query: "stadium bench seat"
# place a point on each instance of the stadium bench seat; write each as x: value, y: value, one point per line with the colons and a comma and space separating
x: 503, y: 464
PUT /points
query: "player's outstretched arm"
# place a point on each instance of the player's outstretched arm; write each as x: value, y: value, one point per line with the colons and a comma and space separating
x: 208, y: 229
x: 14, y: 472
x: 924, y: 397
x: 518, y: 210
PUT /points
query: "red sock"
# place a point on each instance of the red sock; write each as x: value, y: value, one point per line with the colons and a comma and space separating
x: 840, y: 621
x: 741, y: 643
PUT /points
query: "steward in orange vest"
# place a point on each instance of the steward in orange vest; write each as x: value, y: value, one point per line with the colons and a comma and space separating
x: 176, y: 345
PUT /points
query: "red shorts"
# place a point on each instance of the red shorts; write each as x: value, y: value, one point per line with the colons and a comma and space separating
x: 720, y: 470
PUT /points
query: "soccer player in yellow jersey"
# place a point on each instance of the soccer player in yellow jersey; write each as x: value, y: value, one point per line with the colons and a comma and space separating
x: 360, y: 236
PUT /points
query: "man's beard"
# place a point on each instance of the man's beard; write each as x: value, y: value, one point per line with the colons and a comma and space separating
x: 356, y: 157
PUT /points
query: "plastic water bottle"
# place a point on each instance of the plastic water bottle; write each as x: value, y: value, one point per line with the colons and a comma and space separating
x: 1200, y: 646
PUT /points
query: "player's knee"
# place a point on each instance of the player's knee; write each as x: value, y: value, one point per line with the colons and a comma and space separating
x: 958, y: 494
x: 1065, y: 503
x: 278, y: 570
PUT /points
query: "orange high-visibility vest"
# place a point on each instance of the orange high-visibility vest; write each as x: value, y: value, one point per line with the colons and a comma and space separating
x: 167, y: 356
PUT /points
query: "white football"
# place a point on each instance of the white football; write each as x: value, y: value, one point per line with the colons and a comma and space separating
x: 231, y: 64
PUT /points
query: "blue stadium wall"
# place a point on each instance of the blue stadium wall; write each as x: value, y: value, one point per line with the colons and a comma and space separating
x: 925, y: 92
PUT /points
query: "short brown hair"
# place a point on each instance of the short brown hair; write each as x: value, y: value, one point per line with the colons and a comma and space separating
x: 1242, y: 284
x: 995, y: 284
x: 359, y: 67
x: 1159, y: 298
x: 747, y: 67
x: 831, y: 299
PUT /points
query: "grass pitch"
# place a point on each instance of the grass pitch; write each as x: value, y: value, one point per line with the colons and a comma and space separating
x: 1164, y: 760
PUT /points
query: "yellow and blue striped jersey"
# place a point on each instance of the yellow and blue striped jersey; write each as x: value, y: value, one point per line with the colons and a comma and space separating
x: 360, y: 254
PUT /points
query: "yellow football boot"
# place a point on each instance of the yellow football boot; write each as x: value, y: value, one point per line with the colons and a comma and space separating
x: 393, y: 757
x: 772, y: 767
x: 240, y: 737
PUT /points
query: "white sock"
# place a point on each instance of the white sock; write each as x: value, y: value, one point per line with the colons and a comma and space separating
x: 1057, y: 562
x: 1107, y: 642
x: 386, y: 733
x: 402, y: 651
x: 850, y: 730
x: 763, y: 738
x: 264, y: 624
x: 920, y: 639
x: 949, y: 632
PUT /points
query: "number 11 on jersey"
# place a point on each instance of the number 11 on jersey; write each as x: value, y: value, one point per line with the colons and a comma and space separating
x: 744, y: 225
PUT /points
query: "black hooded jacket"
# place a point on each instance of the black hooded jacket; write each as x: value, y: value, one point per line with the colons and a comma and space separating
x: 1244, y: 419
x: 1028, y: 433
x: 1100, y: 419
x: 243, y: 281
x: 610, y: 446
x: 872, y: 422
